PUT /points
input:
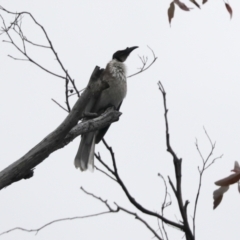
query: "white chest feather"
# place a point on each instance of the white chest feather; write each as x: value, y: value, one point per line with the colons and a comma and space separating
x: 117, y: 70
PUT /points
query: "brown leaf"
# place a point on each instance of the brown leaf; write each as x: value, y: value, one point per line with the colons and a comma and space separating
x: 218, y: 195
x: 217, y: 201
x: 224, y: 183
x: 234, y: 178
x: 229, y: 9
x: 171, y: 10
x: 195, y: 3
x: 204, y: 1
x: 182, y: 5
x: 236, y: 167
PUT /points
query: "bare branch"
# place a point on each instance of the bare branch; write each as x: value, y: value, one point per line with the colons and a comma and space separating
x: 98, y: 198
x: 213, y: 161
x: 59, y: 137
x: 205, y: 166
x: 144, y: 63
x: 35, y: 44
x: 59, y: 105
x: 132, y: 200
x: 141, y: 220
x: 100, y: 170
x: 18, y: 59
x: 18, y: 17
x: 36, y: 230
x: 178, y: 171
x: 98, y: 156
x: 122, y: 209
x: 6, y: 30
x: 165, y: 204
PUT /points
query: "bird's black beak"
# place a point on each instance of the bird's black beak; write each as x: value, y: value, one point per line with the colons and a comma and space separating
x: 123, y: 54
x: 129, y: 50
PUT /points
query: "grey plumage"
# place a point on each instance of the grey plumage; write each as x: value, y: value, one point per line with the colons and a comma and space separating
x: 115, y: 76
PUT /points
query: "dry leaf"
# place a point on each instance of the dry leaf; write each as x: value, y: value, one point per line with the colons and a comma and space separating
x: 195, y: 3
x: 171, y: 10
x: 224, y: 185
x: 218, y: 195
x: 204, y: 1
x: 236, y: 167
x: 229, y: 9
x: 234, y: 178
x: 182, y: 5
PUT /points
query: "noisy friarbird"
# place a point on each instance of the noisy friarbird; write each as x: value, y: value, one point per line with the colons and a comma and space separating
x: 115, y: 76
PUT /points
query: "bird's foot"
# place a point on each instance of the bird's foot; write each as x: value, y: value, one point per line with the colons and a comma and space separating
x: 90, y: 115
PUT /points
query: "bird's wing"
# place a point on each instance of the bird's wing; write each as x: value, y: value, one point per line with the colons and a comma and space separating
x: 100, y: 134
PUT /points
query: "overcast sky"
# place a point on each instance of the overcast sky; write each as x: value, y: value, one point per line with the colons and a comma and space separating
x: 198, y: 64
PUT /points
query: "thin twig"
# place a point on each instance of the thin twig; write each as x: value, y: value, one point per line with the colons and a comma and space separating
x: 159, y: 228
x: 35, y: 44
x: 165, y: 204
x: 17, y: 59
x: 144, y: 62
x: 36, y: 230
x: 98, y: 156
x: 18, y: 16
x: 98, y: 198
x: 201, y: 171
x: 100, y: 170
x: 6, y: 30
x: 122, y: 209
x: 59, y: 105
x: 141, y: 220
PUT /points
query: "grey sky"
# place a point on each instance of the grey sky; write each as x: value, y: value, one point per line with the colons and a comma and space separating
x: 198, y: 64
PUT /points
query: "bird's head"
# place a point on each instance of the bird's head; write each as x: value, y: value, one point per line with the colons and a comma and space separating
x: 122, y: 55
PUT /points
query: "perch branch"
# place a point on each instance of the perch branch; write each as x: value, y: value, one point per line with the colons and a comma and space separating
x: 22, y: 168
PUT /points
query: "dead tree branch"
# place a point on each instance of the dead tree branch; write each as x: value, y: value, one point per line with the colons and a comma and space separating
x: 124, y: 210
x: 16, y: 27
x: 141, y: 220
x: 23, y: 168
x: 131, y: 199
x: 178, y: 172
x: 36, y: 230
x: 105, y: 202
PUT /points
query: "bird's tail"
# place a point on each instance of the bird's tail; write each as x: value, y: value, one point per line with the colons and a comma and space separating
x: 85, y: 155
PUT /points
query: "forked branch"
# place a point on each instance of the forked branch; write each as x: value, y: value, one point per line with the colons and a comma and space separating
x: 206, y: 163
x: 177, y: 189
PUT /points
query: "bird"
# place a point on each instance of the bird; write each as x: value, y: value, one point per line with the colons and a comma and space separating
x: 115, y: 76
